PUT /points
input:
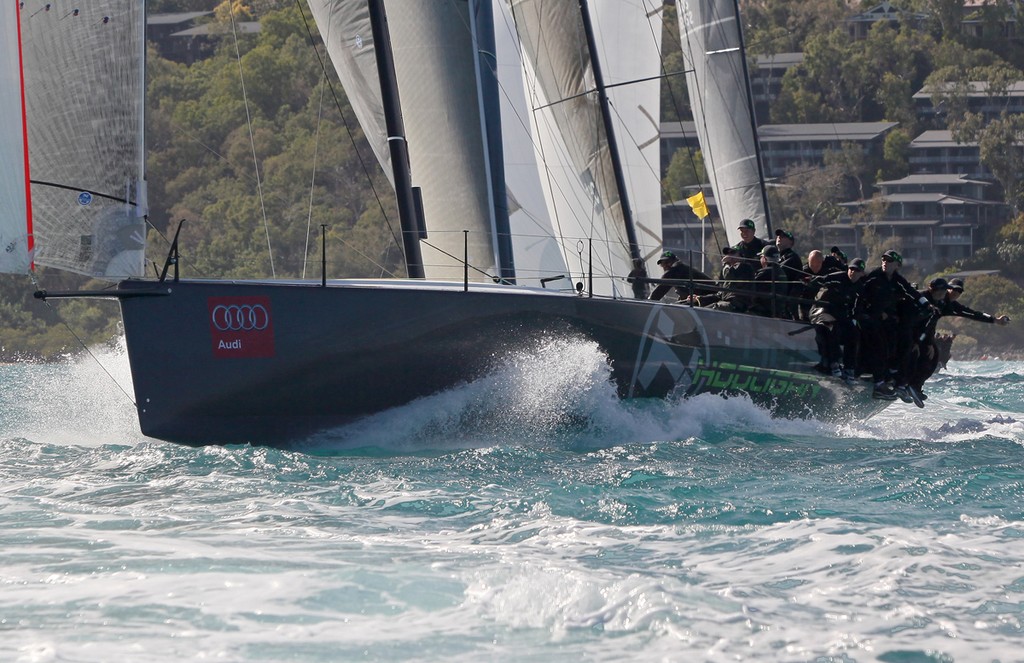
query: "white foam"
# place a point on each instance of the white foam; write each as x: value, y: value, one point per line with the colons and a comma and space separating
x: 83, y: 400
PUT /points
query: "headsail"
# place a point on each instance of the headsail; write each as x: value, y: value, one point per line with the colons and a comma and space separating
x: 85, y: 87
x: 15, y: 203
x: 435, y: 65
x: 573, y: 146
x: 719, y: 92
x: 537, y: 252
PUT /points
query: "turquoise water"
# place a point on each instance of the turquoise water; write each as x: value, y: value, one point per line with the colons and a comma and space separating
x: 531, y: 516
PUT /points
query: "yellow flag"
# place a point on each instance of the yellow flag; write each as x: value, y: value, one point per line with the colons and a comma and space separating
x: 698, y: 205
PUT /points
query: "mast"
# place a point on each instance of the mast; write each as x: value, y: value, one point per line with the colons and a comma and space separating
x: 397, y: 144
x: 489, y: 97
x: 753, y: 117
x: 639, y: 285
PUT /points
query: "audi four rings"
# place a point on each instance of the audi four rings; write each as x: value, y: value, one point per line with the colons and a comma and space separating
x: 240, y: 317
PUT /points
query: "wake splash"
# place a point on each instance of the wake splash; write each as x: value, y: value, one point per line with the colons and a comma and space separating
x: 83, y: 400
x: 560, y: 395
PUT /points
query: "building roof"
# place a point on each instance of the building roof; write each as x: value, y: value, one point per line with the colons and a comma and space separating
x: 976, y: 89
x: 830, y: 131
x: 778, y: 60
x: 171, y: 19
x: 882, y: 12
x: 920, y: 197
x: 893, y: 222
x: 972, y: 272
x: 933, y: 178
x: 248, y: 27
x: 938, y: 138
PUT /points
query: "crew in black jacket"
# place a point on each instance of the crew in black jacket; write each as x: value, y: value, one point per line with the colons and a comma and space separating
x: 887, y: 312
x: 789, y: 260
x: 770, y: 285
x: 956, y: 288
x: 750, y: 245
x: 735, y: 283
x: 833, y: 317
x: 677, y: 272
x: 943, y: 296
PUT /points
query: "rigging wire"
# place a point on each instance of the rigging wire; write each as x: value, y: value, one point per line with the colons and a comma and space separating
x: 312, y: 181
x: 81, y: 342
x: 252, y: 141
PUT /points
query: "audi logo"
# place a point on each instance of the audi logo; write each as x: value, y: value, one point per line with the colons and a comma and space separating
x: 244, y: 317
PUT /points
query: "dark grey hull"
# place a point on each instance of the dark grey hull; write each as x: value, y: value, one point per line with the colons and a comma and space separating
x: 272, y: 363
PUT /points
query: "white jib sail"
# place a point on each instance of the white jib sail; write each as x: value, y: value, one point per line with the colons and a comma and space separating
x: 572, y: 145
x: 15, y: 257
x: 718, y: 91
x: 537, y: 252
x: 85, y: 88
x: 628, y: 38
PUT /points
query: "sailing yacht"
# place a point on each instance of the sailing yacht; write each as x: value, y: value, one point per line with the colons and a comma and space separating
x: 446, y: 93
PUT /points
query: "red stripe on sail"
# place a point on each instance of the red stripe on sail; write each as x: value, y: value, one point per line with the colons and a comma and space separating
x: 24, y: 133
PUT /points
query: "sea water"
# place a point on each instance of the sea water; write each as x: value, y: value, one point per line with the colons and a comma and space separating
x: 529, y: 516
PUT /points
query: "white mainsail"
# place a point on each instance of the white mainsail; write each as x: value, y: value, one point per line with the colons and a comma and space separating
x: 15, y: 223
x: 719, y: 97
x: 573, y: 146
x: 84, y: 91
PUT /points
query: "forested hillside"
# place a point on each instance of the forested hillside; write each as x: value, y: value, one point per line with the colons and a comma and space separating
x: 255, y: 175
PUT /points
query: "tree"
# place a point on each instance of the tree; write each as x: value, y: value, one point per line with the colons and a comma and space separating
x: 895, y: 154
x: 685, y: 170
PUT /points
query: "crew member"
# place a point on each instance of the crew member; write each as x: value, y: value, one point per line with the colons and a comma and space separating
x: 789, y: 260
x: 679, y: 276
x: 750, y: 245
x: 835, y: 324
x: 888, y: 311
x: 735, y: 284
x: 770, y: 284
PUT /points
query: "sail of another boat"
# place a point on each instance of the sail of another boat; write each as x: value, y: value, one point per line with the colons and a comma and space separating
x: 719, y: 92
x: 84, y: 87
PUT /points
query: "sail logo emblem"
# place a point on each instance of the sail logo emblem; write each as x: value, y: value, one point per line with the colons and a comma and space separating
x: 241, y: 327
x: 85, y: 198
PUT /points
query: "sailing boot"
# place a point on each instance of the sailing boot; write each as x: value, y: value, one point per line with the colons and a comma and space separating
x: 903, y: 394
x: 883, y: 392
